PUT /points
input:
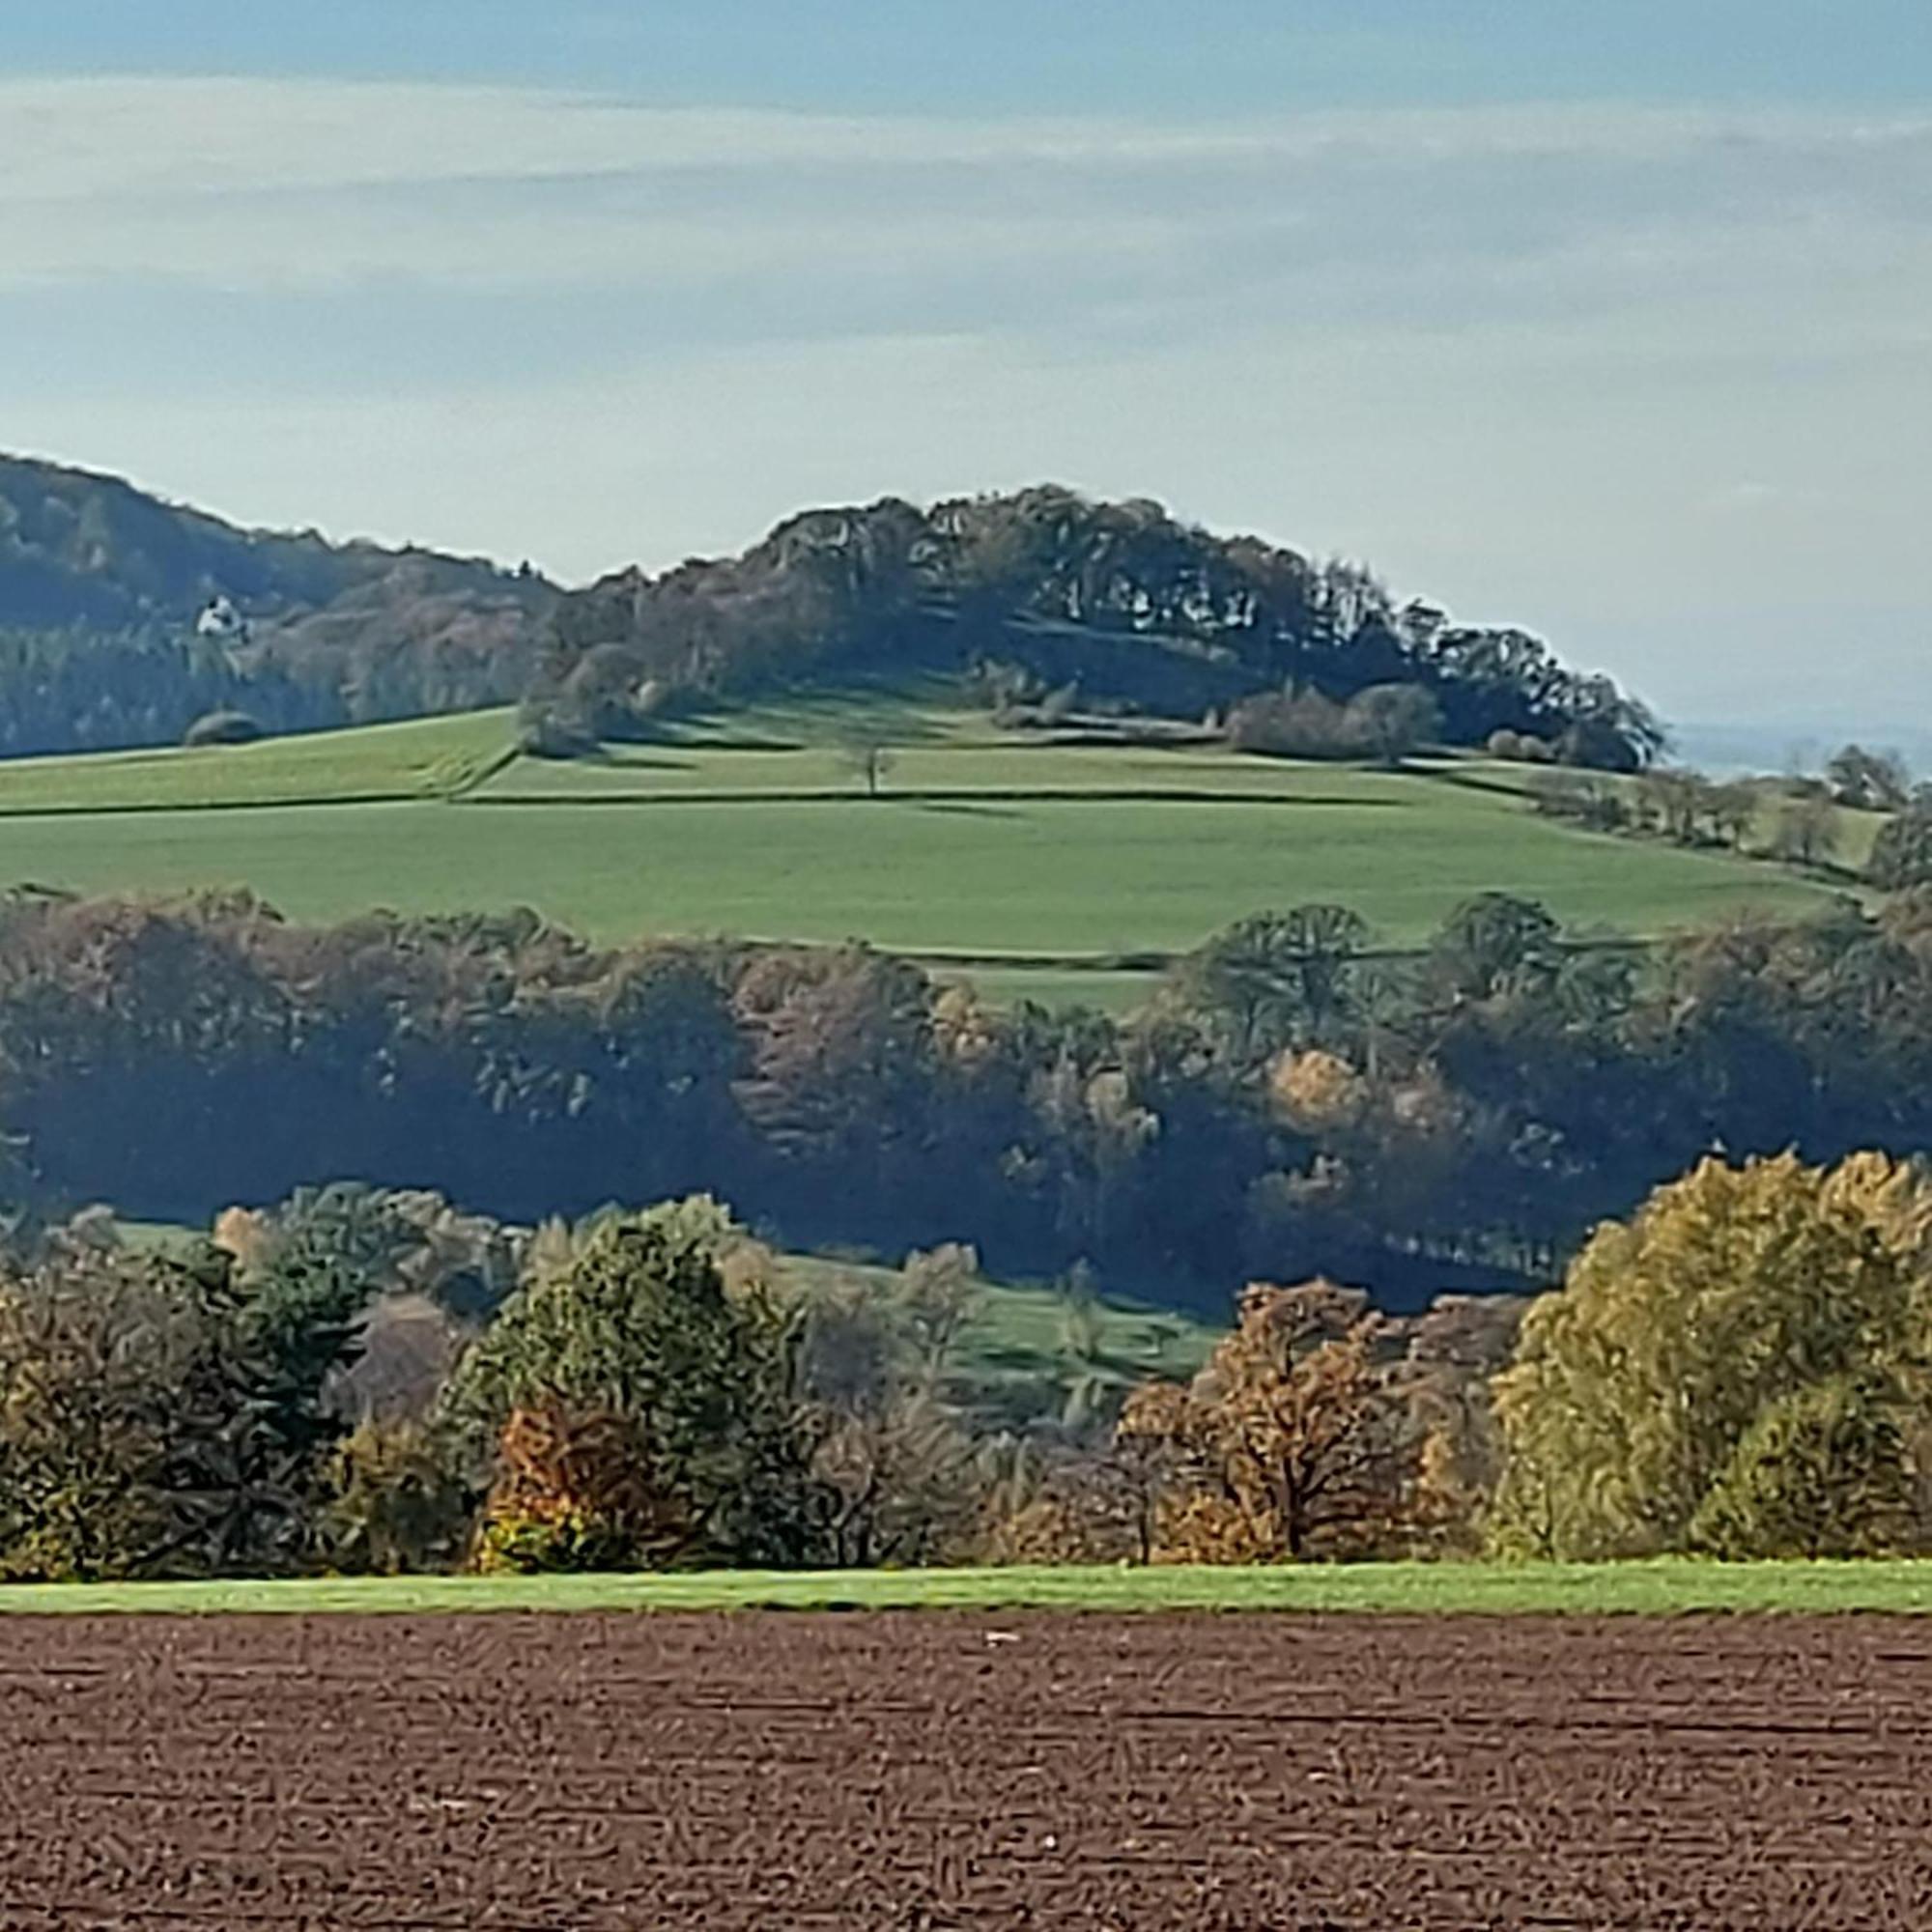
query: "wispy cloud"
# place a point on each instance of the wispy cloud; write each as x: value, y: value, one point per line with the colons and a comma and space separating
x: 254, y: 185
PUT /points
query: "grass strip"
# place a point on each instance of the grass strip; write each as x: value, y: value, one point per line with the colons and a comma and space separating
x: 1663, y: 1588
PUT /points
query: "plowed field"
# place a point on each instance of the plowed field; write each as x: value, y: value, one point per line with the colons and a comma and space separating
x: 935, y: 1771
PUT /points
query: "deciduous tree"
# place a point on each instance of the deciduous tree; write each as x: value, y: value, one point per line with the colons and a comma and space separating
x: 1292, y: 1443
x: 1751, y: 1333
x: 655, y: 1411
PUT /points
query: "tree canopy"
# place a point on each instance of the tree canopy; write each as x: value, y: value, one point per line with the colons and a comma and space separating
x: 1740, y: 1370
x: 647, y: 1413
x: 1044, y: 587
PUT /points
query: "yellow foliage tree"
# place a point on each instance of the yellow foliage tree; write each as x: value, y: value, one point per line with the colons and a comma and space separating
x: 1737, y: 1371
x: 1316, y: 1089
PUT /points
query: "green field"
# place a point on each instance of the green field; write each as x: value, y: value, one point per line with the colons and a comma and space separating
x: 1015, y: 1339
x: 423, y: 757
x: 1011, y: 1347
x: 1670, y: 1588
x: 1058, y: 869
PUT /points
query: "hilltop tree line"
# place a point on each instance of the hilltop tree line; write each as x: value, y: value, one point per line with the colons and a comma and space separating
x: 1294, y: 1101
x: 1044, y: 593
x: 374, y: 1382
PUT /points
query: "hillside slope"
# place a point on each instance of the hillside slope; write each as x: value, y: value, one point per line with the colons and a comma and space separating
x: 122, y: 617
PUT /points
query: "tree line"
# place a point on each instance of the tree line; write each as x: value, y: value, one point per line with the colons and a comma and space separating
x: 1044, y: 593
x: 132, y: 619
x: 1742, y: 1368
x: 1797, y: 821
x: 1294, y: 1100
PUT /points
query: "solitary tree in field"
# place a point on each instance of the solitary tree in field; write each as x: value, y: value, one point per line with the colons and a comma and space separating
x: 870, y: 758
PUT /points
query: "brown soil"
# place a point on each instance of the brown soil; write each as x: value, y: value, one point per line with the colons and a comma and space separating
x: 898, y: 1772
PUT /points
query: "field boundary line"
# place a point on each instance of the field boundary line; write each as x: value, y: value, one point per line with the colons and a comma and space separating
x: 946, y: 795
x: 300, y: 804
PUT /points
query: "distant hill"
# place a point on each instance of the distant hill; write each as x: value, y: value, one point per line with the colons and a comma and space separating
x: 1046, y: 595
x: 123, y: 617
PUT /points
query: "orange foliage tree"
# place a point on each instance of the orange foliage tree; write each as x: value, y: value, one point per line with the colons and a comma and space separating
x: 572, y: 1492
x: 1295, y: 1441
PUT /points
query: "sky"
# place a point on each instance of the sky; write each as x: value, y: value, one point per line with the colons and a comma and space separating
x: 1613, y: 320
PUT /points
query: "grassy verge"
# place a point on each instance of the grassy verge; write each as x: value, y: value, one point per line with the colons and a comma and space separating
x: 1429, y: 1589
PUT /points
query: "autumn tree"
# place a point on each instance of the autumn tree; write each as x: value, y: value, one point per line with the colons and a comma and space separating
x: 166, y: 1417
x: 638, y: 1413
x: 85, y: 1423
x: 1734, y: 1370
x: 1292, y: 1443
x: 1084, y: 1503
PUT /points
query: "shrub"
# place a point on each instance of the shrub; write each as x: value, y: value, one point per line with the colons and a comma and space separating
x: 223, y: 728
x: 544, y: 732
x: 572, y: 1494
x: 398, y: 1505
x: 1295, y: 725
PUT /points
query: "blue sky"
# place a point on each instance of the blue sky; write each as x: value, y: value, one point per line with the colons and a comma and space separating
x: 1615, y: 320
x: 1134, y: 56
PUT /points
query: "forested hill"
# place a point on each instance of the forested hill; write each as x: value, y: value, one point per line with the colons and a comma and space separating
x: 1045, y: 593
x: 124, y: 618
